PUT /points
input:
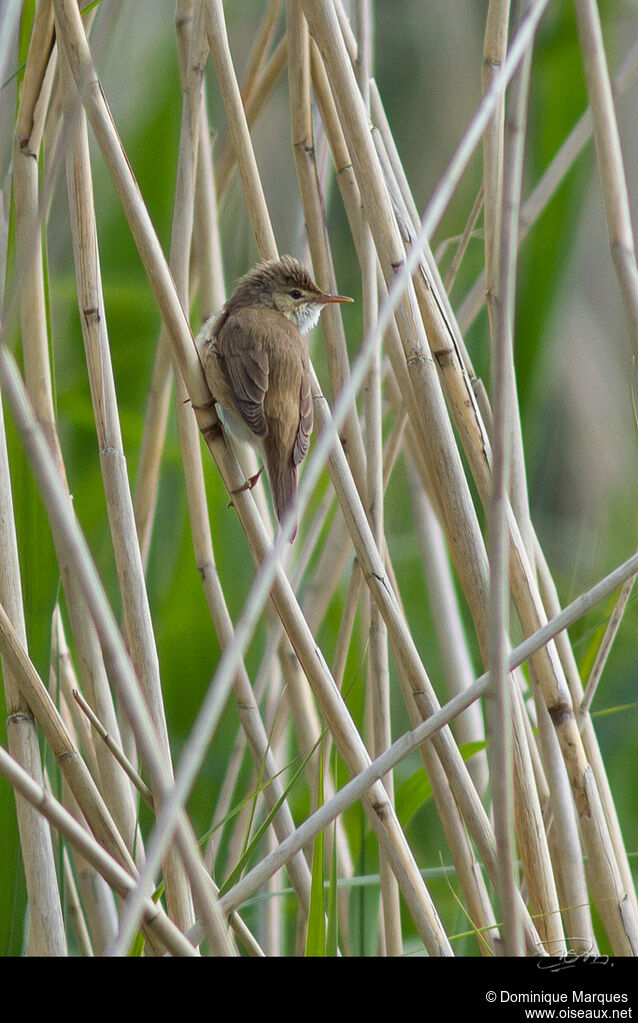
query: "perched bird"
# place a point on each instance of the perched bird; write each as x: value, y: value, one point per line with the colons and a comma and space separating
x: 257, y: 367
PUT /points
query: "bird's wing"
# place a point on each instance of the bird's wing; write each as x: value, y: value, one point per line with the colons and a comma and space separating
x: 246, y: 366
x: 302, y: 440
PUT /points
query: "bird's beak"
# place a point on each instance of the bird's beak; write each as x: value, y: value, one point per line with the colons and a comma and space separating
x: 336, y: 298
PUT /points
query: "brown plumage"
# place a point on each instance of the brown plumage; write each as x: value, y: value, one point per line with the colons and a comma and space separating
x: 257, y: 367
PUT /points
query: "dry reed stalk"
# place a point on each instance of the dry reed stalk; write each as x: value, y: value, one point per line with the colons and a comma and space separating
x: 563, y: 823
x: 532, y: 615
x: 259, y: 217
x: 605, y: 646
x: 452, y: 641
x: 136, y: 611
x: 360, y: 140
x: 157, y: 923
x: 97, y: 898
x: 590, y: 741
x: 494, y: 52
x: 610, y: 161
x: 118, y: 753
x: 378, y: 680
x: 390, y: 833
x: 191, y: 456
x: 515, y: 817
x: 553, y: 670
x: 76, y: 915
x: 261, y: 45
x: 410, y: 741
x: 549, y: 182
x: 38, y: 379
x: 71, y: 764
x: 238, y: 128
x: 312, y: 204
x: 46, y: 933
x: 225, y: 162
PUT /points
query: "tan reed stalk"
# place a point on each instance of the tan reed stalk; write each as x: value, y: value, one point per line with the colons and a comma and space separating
x: 500, y: 185
x: 590, y: 741
x: 119, y: 755
x: 378, y: 681
x: 350, y: 194
x: 304, y: 152
x: 463, y: 242
x: 76, y: 915
x: 191, y: 455
x: 257, y: 216
x: 549, y: 182
x: 97, y: 898
x: 494, y: 51
x: 476, y: 812
x: 46, y: 933
x: 605, y: 646
x: 260, y: 48
x: 610, y: 161
x: 238, y: 128
x: 136, y: 611
x: 563, y: 822
x: 261, y: 90
x: 156, y: 921
x: 34, y: 334
x: 451, y: 637
x: 410, y: 741
x: 430, y: 416
x: 351, y: 746
x: 532, y: 615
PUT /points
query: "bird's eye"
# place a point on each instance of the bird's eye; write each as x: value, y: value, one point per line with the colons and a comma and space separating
x: 295, y: 293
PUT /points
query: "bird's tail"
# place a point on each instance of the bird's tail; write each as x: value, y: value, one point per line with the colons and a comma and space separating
x: 283, y: 483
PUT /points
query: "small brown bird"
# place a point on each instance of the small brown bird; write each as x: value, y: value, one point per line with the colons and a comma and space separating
x: 257, y: 367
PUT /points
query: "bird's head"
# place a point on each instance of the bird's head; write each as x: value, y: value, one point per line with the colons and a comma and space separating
x: 285, y: 284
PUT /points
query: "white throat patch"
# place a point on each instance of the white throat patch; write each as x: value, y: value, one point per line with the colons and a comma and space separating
x: 307, y: 316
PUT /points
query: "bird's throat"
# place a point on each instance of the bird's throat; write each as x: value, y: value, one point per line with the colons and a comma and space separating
x: 306, y: 316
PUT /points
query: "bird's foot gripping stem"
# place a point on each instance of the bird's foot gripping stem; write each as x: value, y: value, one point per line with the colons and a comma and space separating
x: 247, y: 485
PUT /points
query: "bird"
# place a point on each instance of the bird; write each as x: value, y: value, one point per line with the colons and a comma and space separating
x: 257, y: 367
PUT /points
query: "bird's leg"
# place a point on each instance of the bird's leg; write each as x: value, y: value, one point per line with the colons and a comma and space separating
x: 247, y: 485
